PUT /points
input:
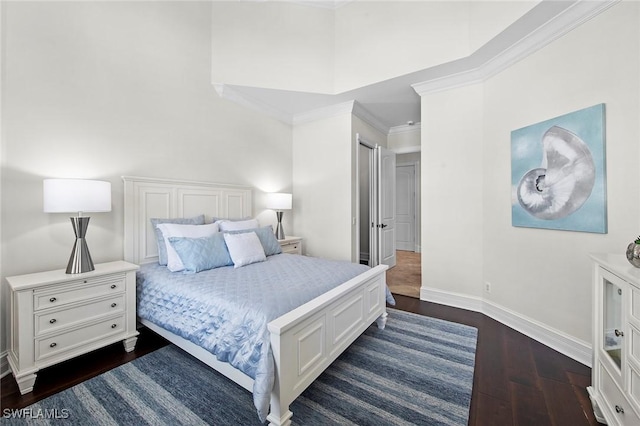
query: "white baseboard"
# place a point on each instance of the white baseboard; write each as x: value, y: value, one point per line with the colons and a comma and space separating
x: 570, y: 346
x: 4, y: 364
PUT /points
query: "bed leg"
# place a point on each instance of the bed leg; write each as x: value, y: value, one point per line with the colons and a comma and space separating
x: 382, y: 320
x: 279, y: 414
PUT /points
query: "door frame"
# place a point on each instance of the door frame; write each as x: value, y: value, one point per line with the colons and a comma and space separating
x: 374, y: 202
x: 416, y: 204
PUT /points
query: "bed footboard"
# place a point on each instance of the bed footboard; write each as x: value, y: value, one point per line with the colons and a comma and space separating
x: 308, y: 339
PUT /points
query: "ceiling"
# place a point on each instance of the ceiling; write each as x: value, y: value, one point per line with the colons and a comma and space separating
x: 394, y: 102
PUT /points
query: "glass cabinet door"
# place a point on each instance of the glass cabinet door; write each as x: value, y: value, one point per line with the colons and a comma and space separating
x: 612, y: 339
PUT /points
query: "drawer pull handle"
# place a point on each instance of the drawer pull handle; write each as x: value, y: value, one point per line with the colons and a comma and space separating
x: 114, y: 325
x: 619, y: 409
x: 618, y: 333
x: 53, y: 345
x: 113, y: 286
x: 113, y: 305
x: 53, y: 299
x: 52, y: 321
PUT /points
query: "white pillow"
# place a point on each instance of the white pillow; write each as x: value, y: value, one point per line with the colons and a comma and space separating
x: 237, y: 225
x: 244, y: 249
x: 174, y: 264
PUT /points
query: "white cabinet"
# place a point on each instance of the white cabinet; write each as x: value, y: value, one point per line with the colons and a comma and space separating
x: 56, y: 316
x: 291, y: 245
x: 615, y: 390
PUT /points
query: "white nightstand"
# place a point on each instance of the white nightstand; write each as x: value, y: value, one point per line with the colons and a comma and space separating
x: 292, y: 245
x: 56, y: 316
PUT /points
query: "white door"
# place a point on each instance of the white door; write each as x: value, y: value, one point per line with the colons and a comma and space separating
x: 386, y: 223
x: 405, y: 207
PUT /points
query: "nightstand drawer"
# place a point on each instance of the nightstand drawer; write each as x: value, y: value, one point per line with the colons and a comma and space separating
x: 53, y: 345
x: 78, y: 290
x: 291, y: 248
x: 291, y: 245
x: 55, y: 320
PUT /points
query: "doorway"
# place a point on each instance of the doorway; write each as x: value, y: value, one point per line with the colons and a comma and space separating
x: 406, y: 277
x: 376, y: 208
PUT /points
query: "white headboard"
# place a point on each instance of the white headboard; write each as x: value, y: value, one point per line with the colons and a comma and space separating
x: 146, y: 198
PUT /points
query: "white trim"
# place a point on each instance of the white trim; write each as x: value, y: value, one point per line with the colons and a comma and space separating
x: 576, y: 349
x: 406, y: 149
x: 360, y: 112
x: 324, y: 112
x: 228, y: 92
x: 4, y: 364
x: 405, y: 128
x: 500, y: 53
x: 336, y: 110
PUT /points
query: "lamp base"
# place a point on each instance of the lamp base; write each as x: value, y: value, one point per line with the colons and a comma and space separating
x: 80, y: 260
x: 279, y: 229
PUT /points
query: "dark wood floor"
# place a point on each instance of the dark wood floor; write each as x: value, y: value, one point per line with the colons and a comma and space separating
x: 517, y: 380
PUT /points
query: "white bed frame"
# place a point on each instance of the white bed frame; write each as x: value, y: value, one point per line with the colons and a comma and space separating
x: 304, y: 341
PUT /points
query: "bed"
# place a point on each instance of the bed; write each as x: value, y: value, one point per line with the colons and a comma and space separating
x: 305, y: 340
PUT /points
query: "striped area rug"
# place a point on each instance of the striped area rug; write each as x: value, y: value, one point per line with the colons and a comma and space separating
x: 418, y: 370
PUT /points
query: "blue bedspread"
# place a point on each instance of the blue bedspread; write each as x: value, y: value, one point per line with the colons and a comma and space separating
x: 226, y: 310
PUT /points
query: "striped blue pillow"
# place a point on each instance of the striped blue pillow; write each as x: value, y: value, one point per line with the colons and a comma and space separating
x: 201, y: 254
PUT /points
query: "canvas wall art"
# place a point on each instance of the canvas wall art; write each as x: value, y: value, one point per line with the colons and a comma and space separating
x: 558, y: 173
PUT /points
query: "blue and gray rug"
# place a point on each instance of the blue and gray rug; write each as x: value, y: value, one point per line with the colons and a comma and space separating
x: 418, y: 370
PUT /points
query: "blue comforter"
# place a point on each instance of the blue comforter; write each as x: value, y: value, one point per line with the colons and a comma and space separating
x: 226, y: 310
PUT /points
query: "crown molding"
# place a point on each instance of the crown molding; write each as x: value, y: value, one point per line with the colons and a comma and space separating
x: 501, y: 52
x: 360, y: 112
x: 228, y: 92
x: 405, y: 128
x: 349, y: 107
x: 324, y: 112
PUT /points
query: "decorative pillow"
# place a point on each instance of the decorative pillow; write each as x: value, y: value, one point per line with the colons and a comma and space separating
x: 201, y: 254
x: 244, y: 248
x: 228, y: 225
x: 174, y: 264
x: 267, y: 238
x: 226, y: 219
x: 162, y: 248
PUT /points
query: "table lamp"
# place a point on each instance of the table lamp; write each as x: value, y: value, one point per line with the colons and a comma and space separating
x: 279, y: 201
x: 77, y: 196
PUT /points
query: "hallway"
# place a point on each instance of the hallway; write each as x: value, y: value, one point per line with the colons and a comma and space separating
x: 406, y: 277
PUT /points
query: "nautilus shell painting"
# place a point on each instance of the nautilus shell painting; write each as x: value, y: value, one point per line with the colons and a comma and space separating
x: 558, y: 173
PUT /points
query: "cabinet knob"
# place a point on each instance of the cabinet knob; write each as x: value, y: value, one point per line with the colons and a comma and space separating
x: 619, y: 409
x: 113, y: 305
x: 113, y: 286
x: 114, y: 325
x: 52, y: 321
x: 618, y: 333
x: 53, y: 345
x: 53, y: 299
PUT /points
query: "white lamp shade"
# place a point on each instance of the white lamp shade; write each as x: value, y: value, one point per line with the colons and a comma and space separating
x: 279, y: 201
x: 76, y: 195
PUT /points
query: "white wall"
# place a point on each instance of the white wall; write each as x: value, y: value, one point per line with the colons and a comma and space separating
x: 404, y: 139
x: 542, y: 275
x: 376, y: 41
x: 322, y: 176
x: 292, y: 46
x: 278, y: 45
x: 105, y: 89
x: 452, y: 188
